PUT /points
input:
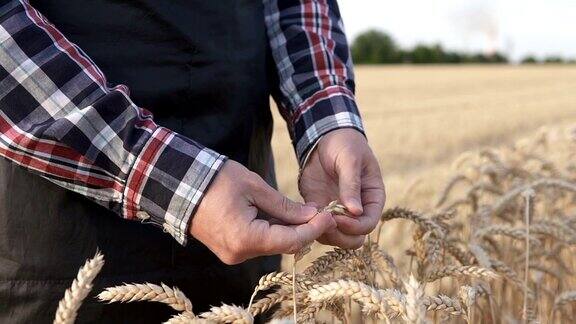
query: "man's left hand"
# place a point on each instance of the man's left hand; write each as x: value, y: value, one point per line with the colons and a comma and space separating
x: 342, y: 167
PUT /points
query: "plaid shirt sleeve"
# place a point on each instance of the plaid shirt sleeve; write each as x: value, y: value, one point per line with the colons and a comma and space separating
x: 314, y: 67
x: 59, y: 119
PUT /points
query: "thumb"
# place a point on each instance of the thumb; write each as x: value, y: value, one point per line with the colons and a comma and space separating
x: 290, y: 239
x: 349, y: 185
x: 280, y: 207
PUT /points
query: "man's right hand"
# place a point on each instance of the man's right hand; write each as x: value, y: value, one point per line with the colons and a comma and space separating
x: 226, y: 222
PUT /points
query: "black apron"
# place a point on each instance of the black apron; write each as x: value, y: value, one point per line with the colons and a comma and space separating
x: 203, y: 68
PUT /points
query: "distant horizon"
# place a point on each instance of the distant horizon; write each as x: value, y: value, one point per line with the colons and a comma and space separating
x: 515, y: 28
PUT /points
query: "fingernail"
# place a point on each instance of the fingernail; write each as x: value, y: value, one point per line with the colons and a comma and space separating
x: 355, y: 206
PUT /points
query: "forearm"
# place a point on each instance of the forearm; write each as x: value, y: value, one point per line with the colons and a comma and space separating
x: 314, y: 67
x: 58, y: 119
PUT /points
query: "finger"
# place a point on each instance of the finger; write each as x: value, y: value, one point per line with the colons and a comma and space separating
x: 373, y: 190
x: 278, y: 239
x: 349, y: 184
x: 344, y: 241
x: 355, y: 225
x: 280, y: 207
x: 373, y: 197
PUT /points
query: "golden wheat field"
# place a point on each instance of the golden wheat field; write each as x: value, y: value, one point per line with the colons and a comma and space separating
x: 480, y: 226
x: 420, y: 118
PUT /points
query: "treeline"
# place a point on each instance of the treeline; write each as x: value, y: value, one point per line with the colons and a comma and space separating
x: 376, y: 47
x: 547, y: 60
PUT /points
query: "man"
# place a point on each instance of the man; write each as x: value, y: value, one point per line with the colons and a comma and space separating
x: 80, y: 151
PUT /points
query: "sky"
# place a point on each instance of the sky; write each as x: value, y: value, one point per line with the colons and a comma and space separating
x: 515, y: 27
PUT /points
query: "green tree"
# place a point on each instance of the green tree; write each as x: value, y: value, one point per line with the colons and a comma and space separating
x: 424, y: 54
x: 554, y: 60
x: 374, y: 47
x: 529, y: 60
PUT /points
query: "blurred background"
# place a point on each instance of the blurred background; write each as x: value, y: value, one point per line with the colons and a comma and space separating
x: 440, y: 77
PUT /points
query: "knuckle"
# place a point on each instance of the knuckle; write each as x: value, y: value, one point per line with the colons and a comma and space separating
x: 252, y: 179
x: 231, y: 259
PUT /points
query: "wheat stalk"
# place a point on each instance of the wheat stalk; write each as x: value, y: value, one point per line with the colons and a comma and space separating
x: 81, y: 286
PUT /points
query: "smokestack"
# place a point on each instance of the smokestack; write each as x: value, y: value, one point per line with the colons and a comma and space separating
x: 479, y: 20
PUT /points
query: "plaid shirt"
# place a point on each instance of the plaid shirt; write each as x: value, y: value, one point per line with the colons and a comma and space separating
x: 60, y: 120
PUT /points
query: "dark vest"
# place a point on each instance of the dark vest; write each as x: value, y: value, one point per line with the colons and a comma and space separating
x: 203, y: 69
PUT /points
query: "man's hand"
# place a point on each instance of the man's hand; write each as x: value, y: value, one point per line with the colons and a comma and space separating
x: 226, y: 218
x: 342, y: 167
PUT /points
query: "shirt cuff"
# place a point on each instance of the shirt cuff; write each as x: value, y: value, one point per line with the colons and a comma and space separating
x: 168, y: 180
x: 327, y: 110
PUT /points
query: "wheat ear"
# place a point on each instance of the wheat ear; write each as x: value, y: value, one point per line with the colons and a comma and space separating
x: 415, y: 307
x: 507, y: 230
x: 425, y: 223
x: 328, y: 260
x: 465, y: 271
x: 565, y: 298
x: 387, y: 265
x: 373, y: 300
x: 228, y: 314
x: 443, y: 303
x: 263, y: 304
x: 128, y: 293
x: 81, y: 286
x: 186, y: 318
